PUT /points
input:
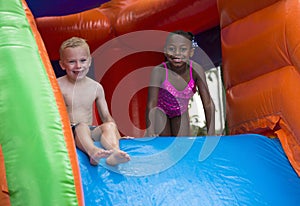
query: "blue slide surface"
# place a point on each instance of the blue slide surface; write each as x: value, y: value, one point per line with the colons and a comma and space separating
x: 241, y: 170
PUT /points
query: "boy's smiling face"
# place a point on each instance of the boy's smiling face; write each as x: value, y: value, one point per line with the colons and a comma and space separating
x: 76, y: 62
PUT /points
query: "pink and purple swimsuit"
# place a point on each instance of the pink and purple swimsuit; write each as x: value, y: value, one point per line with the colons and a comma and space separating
x: 175, y: 102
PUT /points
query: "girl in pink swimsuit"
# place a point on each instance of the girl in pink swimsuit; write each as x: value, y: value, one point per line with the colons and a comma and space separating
x: 173, y: 83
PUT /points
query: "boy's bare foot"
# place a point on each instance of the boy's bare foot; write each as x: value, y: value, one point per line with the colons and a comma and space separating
x: 97, y: 154
x: 117, y: 157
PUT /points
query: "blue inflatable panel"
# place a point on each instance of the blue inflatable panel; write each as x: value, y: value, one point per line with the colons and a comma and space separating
x: 43, y: 8
x: 240, y: 170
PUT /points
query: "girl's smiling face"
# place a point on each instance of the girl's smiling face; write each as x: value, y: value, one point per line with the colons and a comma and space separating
x: 76, y: 62
x: 178, y: 50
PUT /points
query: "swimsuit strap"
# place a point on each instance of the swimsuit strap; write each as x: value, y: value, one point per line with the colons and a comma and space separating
x: 165, y: 65
x: 191, y: 70
x: 192, y: 81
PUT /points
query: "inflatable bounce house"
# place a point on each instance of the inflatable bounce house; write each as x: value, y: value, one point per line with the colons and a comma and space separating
x: 255, y: 42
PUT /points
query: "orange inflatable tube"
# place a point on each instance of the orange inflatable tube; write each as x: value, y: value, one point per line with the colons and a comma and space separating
x: 261, y: 56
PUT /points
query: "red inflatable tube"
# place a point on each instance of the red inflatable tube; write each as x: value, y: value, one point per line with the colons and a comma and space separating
x: 122, y: 16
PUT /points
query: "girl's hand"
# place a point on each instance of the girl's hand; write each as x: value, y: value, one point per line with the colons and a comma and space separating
x: 127, y: 137
x: 151, y: 134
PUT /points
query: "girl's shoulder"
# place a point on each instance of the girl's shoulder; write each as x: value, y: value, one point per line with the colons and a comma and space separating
x: 197, y: 68
x: 158, y: 74
x: 159, y: 69
x: 160, y: 66
x: 197, y: 71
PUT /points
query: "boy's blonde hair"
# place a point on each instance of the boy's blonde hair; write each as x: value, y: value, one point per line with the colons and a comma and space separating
x: 73, y: 42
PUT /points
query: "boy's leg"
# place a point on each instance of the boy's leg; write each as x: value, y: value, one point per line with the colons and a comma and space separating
x: 85, y: 143
x: 109, y: 137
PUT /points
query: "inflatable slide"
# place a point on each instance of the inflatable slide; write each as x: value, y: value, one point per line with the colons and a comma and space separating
x: 257, y: 163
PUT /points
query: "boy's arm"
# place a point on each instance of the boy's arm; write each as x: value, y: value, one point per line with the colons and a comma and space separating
x: 101, y: 105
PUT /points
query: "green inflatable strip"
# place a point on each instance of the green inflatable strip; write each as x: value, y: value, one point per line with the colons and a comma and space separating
x: 36, y: 158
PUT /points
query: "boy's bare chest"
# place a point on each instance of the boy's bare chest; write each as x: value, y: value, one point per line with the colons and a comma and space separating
x: 79, y: 98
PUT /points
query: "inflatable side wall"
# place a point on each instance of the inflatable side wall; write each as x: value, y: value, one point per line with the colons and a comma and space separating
x: 261, y: 61
x: 37, y: 145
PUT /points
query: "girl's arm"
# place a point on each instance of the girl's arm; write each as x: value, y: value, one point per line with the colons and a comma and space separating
x: 208, y: 104
x: 153, y: 89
